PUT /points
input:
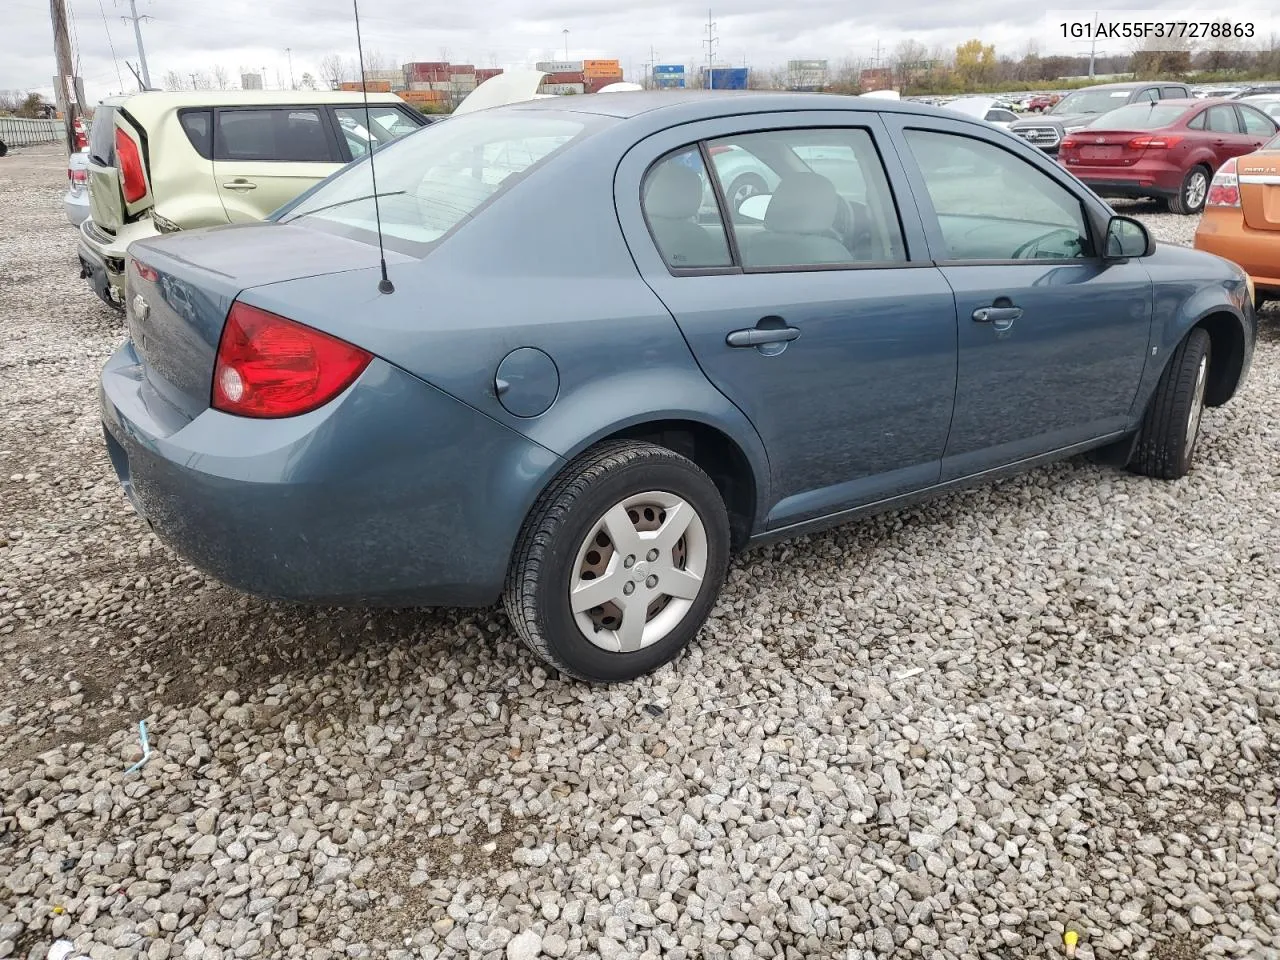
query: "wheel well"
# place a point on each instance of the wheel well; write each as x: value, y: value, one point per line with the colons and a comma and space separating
x: 1226, y: 357
x: 718, y: 456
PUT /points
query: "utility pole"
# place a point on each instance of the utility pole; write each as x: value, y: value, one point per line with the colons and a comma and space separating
x: 137, y: 35
x: 194, y: 85
x: 565, y: 31
x: 710, y: 42
x: 66, y: 72
x: 648, y: 67
x: 288, y: 52
x: 264, y: 76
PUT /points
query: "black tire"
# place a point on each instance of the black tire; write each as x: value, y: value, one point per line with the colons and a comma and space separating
x: 1171, y: 426
x: 538, y: 582
x: 741, y: 183
x: 1183, y: 203
x: 4, y: 148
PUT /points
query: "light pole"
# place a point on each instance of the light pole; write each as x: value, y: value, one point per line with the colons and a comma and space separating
x: 288, y: 52
x: 565, y: 31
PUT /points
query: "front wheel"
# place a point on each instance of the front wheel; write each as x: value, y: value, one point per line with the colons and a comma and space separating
x: 1191, y: 195
x: 619, y: 562
x: 1167, y: 441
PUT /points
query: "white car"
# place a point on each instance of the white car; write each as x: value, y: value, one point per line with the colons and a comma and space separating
x: 1268, y: 103
x: 76, y: 200
x: 984, y: 108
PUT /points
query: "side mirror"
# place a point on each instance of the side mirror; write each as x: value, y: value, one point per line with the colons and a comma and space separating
x: 755, y: 207
x: 1127, y: 238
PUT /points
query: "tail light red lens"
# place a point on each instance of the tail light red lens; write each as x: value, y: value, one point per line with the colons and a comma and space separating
x: 1068, y: 143
x: 268, y: 366
x: 78, y: 176
x: 1224, y: 191
x: 129, y: 159
x: 1163, y: 142
x: 145, y: 272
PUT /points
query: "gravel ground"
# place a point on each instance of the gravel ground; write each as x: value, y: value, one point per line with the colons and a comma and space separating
x: 953, y: 731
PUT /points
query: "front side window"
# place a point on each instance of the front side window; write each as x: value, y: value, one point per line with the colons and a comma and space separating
x: 430, y: 183
x: 992, y: 205
x: 828, y: 200
x: 385, y: 124
x: 1255, y: 124
x: 1099, y: 100
x: 687, y: 230
x: 286, y: 133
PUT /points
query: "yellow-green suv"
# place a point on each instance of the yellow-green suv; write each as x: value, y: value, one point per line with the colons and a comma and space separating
x: 161, y: 162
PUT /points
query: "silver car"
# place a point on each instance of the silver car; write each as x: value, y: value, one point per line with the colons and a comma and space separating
x: 76, y: 200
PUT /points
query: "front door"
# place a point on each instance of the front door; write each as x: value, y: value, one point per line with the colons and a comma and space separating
x: 263, y: 157
x: 809, y: 306
x: 1052, y: 339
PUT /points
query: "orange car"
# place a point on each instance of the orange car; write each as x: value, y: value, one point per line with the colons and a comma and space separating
x: 1242, y: 218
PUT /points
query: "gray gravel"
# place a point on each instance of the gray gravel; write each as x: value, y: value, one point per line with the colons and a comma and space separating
x: 953, y: 731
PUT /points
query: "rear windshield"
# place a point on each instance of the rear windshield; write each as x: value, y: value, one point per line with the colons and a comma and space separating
x: 1091, y: 101
x: 431, y: 182
x: 102, y: 137
x: 1140, y: 116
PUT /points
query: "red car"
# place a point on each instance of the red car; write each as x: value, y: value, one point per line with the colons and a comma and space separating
x: 1043, y: 102
x: 1167, y: 149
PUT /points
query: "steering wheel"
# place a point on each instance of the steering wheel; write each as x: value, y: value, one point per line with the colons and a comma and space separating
x: 1034, y: 243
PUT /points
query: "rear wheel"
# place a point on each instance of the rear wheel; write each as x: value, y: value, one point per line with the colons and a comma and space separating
x: 1191, y: 195
x: 744, y: 188
x: 619, y: 563
x: 1167, y: 441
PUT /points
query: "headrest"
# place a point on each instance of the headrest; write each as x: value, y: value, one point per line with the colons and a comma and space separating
x: 673, y: 192
x: 802, y: 203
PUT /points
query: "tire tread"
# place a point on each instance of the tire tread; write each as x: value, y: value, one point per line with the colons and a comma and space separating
x: 1162, y: 438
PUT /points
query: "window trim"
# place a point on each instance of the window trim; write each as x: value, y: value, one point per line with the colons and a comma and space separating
x: 738, y: 268
x: 1242, y: 111
x: 335, y: 125
x: 929, y: 213
x: 326, y: 124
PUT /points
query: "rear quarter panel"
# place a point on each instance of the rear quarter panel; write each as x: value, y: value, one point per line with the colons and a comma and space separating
x: 182, y: 180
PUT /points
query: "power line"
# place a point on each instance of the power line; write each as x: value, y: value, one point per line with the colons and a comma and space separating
x: 102, y: 10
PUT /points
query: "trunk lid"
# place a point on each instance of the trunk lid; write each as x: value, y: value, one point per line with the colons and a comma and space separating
x: 1105, y: 147
x: 1259, y: 180
x: 107, y: 205
x: 179, y: 288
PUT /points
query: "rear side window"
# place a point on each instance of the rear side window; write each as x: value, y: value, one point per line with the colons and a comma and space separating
x: 198, y: 126
x: 385, y: 123
x: 1173, y: 93
x: 682, y: 212
x: 296, y: 134
x: 1222, y: 120
x: 1150, y: 94
x: 102, y: 140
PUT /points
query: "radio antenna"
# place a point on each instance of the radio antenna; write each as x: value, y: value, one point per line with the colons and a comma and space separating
x: 384, y: 285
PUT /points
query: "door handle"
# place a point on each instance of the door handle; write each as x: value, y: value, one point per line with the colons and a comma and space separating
x: 1219, y: 143
x: 997, y: 314
x: 759, y: 336
x: 240, y: 185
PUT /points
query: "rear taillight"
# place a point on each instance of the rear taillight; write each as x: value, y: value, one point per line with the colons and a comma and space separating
x: 268, y: 366
x: 77, y: 176
x: 1225, y: 189
x: 147, y: 273
x: 81, y: 136
x: 1068, y: 143
x: 1148, y: 142
x: 129, y: 159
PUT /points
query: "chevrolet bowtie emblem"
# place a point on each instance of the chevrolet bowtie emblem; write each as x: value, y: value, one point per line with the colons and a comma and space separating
x: 140, y: 306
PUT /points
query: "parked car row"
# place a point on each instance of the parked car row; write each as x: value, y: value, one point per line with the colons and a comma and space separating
x: 587, y: 425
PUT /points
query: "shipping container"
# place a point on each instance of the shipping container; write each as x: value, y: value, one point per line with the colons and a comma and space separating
x: 675, y: 68
x: 559, y: 66
x: 373, y: 86
x: 488, y: 73
x: 669, y: 81
x: 613, y: 74
x: 563, y: 89
x: 565, y: 77
x: 422, y: 96
x: 590, y: 64
x: 462, y: 68
x: 594, y: 84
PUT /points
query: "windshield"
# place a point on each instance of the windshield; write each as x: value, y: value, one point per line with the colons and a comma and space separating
x: 1091, y: 101
x: 431, y: 182
x: 1139, y: 116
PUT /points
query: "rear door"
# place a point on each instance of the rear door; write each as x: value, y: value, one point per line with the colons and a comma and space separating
x: 263, y: 157
x: 1258, y: 127
x: 1227, y: 137
x: 821, y: 318
x: 1052, y: 339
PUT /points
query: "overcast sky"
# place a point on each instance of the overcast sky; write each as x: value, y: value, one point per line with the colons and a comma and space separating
x: 187, y: 35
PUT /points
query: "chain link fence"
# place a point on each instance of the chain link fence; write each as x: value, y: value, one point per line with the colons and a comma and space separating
x: 21, y: 131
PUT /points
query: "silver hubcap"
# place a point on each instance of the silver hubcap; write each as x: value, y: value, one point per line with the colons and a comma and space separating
x: 1196, y: 189
x: 1197, y: 407
x: 638, y: 572
x: 744, y: 192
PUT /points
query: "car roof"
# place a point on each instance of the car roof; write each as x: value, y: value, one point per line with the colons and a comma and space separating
x: 680, y: 106
x: 163, y: 99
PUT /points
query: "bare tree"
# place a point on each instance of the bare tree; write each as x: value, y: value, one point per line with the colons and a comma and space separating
x: 308, y: 82
x: 332, y: 70
x: 375, y: 60
x: 173, y: 80
x: 220, y: 76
